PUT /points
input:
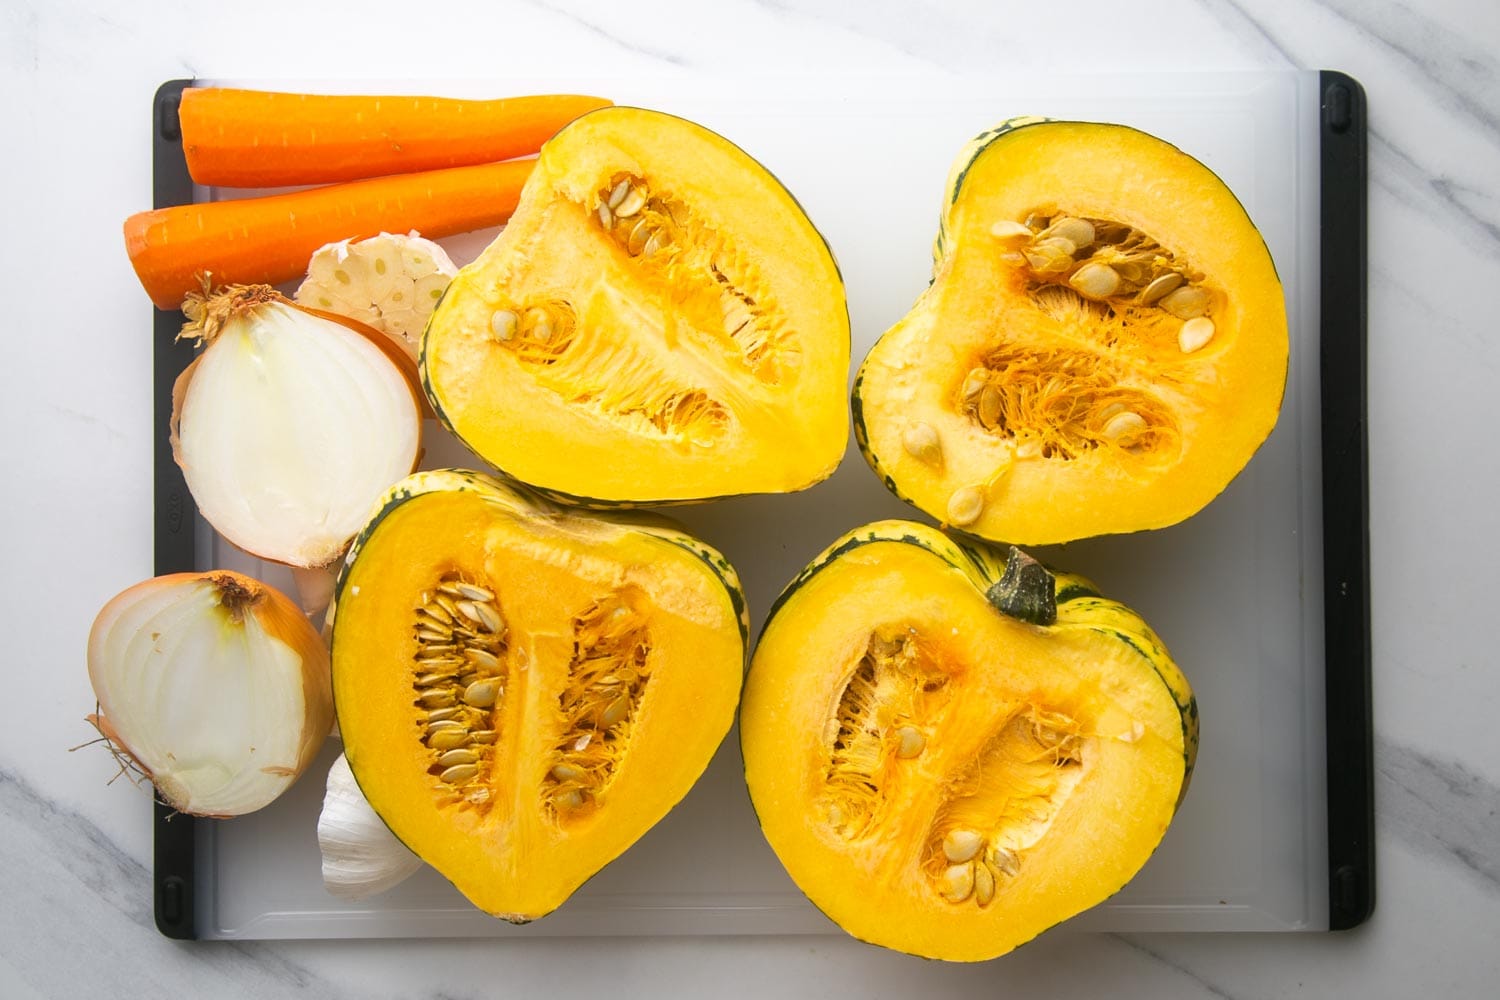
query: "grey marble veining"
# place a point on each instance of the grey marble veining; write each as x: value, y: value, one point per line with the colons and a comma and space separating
x: 75, y: 873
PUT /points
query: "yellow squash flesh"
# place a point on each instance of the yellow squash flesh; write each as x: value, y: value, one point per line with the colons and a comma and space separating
x: 565, y: 682
x: 1102, y: 349
x: 947, y: 778
x: 659, y: 322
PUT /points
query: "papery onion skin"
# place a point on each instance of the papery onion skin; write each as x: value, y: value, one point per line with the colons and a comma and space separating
x: 182, y: 607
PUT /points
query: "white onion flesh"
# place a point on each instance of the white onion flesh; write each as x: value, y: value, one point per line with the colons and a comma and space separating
x: 361, y: 857
x: 221, y: 711
x: 291, y: 428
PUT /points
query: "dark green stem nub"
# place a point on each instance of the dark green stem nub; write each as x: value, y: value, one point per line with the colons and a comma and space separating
x: 1027, y: 591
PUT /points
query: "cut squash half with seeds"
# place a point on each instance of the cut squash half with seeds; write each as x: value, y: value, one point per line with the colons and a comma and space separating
x: 952, y: 748
x: 659, y: 322
x: 1102, y: 349
x: 524, y: 691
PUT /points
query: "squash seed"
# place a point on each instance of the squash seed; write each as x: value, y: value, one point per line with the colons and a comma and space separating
x: 482, y: 658
x: 571, y: 799
x: 958, y: 883
x: 1006, y: 860
x: 605, y: 218
x: 632, y: 202
x: 440, y: 698
x: 481, y: 694
x: 460, y: 774
x: 481, y: 614
x: 1008, y: 229
x: 439, y: 716
x: 1195, y: 334
x: 458, y: 756
x: 566, y: 772
x: 446, y: 724
x: 1124, y: 423
x: 1079, y: 232
x: 473, y: 592
x: 618, y: 194
x: 484, y: 737
x: 449, y: 739
x: 429, y: 680
x: 615, y: 713
x: 503, y: 324
x: 974, y: 384
x: 984, y: 885
x: 965, y: 506
x: 1159, y: 287
x: 636, y: 241
x: 990, y: 405
x: 910, y: 743
x: 962, y: 845
x: 921, y: 442
x: 1095, y: 280
x: 1186, y: 302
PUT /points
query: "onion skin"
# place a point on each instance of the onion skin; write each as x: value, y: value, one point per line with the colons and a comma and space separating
x: 242, y: 596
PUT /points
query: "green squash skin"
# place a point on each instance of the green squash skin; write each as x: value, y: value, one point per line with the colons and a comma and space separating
x: 1079, y: 605
x: 594, y: 503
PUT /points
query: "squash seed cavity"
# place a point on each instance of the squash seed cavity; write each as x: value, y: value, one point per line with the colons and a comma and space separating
x: 879, y: 727
x: 607, y: 677
x: 710, y: 283
x: 458, y: 680
x: 1002, y: 803
x: 1059, y: 403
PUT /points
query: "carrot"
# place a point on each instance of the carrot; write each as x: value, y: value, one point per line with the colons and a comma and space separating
x: 253, y: 138
x: 270, y: 239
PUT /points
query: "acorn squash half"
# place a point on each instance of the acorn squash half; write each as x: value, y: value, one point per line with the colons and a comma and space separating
x: 658, y: 322
x: 524, y: 691
x: 1102, y: 349
x: 952, y: 749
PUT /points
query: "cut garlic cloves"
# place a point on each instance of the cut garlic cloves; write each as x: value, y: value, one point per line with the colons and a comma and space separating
x: 361, y: 857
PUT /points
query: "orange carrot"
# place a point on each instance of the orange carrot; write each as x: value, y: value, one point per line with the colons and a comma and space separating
x: 253, y: 138
x: 270, y: 239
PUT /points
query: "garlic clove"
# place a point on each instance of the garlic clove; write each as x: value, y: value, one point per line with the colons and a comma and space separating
x: 361, y: 857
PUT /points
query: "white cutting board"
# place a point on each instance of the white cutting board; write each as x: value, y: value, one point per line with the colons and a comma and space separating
x: 1235, y: 592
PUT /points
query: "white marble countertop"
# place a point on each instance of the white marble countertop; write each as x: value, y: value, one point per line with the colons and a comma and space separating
x: 77, y: 78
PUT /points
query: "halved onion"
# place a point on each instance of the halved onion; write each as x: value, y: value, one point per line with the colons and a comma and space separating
x: 290, y: 425
x: 214, y: 685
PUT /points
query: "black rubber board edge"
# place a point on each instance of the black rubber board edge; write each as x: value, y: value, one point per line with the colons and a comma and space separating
x: 1346, y: 507
x: 175, y: 513
x: 1346, y: 560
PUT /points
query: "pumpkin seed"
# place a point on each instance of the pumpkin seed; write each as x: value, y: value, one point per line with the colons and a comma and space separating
x: 1186, y: 302
x: 481, y: 694
x: 1095, y: 280
x: 911, y: 742
x: 636, y: 241
x: 1079, y: 232
x: 989, y: 407
x: 428, y: 680
x: 473, y: 592
x: 632, y: 202
x: 974, y: 383
x: 482, y: 658
x: 1159, y: 287
x: 1051, y: 256
x: 1124, y: 423
x: 460, y: 774
x: 566, y: 772
x: 481, y: 614
x: 1007, y: 229
x: 439, y: 698
x: 449, y: 739
x: 439, y: 716
x: 571, y: 799
x: 965, y: 506
x: 962, y: 845
x: 958, y: 883
x: 615, y: 713
x: 1006, y: 860
x: 921, y: 442
x: 433, y: 633
x: 984, y: 885
x: 446, y: 724
x: 606, y: 219
x: 618, y: 194
x: 484, y: 737
x: 503, y: 324
x: 653, y: 244
x: 1195, y: 334
x: 458, y: 756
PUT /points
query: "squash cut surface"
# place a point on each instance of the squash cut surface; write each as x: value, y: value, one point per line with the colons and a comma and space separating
x: 523, y: 692
x: 658, y: 322
x: 941, y: 777
x: 1102, y: 349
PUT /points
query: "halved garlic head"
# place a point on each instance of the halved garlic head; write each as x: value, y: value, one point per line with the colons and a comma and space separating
x: 214, y: 685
